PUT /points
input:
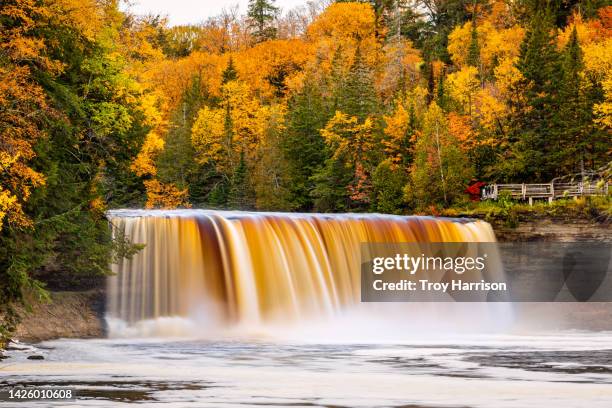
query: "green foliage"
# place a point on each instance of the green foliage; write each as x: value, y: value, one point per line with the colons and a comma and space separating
x: 303, y: 147
x: 510, y: 213
x: 230, y: 73
x: 441, y: 170
x: 330, y: 193
x: 355, y: 95
x: 535, y: 112
x: 91, y: 135
x: 240, y: 194
x: 262, y: 14
x: 474, y: 48
x: 388, y: 183
x: 177, y: 164
x: 580, y: 144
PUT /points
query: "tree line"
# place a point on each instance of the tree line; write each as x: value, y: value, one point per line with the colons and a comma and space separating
x: 384, y: 106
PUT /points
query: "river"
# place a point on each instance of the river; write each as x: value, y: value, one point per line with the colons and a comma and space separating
x: 560, y: 369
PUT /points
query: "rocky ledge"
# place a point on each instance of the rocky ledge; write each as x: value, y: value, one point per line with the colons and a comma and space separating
x: 68, y: 315
x: 553, y: 230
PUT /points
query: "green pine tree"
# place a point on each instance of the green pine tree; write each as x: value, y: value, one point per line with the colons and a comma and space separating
x: 441, y: 98
x: 431, y: 81
x: 262, y: 14
x: 240, y: 194
x: 330, y: 192
x: 473, y: 58
x: 574, y: 113
x: 334, y: 82
x: 218, y: 195
x: 388, y: 182
x: 303, y: 145
x: 533, y: 133
x: 176, y: 164
x: 356, y: 95
x: 581, y: 144
x: 229, y: 73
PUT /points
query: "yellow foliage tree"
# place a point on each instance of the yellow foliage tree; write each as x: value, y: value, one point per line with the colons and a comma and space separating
x: 345, y: 26
x: 351, y: 143
x: 220, y: 135
x: 491, y: 111
x: 166, y: 196
x: 349, y: 138
x: 209, y: 135
x: 269, y: 66
x: 23, y: 106
x: 269, y: 170
x: 494, y: 44
x: 598, y: 67
x: 603, y: 110
x: 507, y: 75
x: 396, y: 130
x: 463, y: 86
x: 589, y: 31
x: 400, y: 132
x: 144, y: 164
x: 170, y: 78
x: 459, y: 42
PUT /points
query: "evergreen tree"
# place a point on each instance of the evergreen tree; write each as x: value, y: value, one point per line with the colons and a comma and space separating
x: 229, y: 73
x: 574, y: 113
x: 262, y: 14
x: 431, y: 81
x: 581, y: 145
x: 441, y: 98
x: 240, y: 194
x: 335, y: 82
x: 330, y: 192
x: 388, y: 182
x: 357, y: 96
x: 176, y: 164
x: 534, y: 113
x: 218, y: 195
x: 303, y: 146
x: 91, y: 130
x: 473, y: 58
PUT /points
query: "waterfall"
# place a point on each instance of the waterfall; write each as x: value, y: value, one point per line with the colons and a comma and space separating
x: 256, y: 267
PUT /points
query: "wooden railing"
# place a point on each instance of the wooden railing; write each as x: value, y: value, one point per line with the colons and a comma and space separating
x: 549, y: 191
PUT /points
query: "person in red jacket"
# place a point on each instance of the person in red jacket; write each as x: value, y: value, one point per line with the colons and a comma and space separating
x: 474, y: 190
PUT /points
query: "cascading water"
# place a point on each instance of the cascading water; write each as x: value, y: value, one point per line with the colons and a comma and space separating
x: 256, y: 267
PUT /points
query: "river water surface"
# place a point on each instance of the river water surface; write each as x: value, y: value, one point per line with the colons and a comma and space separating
x: 555, y: 369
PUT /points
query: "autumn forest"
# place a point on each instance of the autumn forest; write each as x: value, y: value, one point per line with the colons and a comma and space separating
x: 391, y: 106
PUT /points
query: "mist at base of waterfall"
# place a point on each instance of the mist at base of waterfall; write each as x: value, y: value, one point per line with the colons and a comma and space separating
x: 378, y: 322
x: 365, y: 322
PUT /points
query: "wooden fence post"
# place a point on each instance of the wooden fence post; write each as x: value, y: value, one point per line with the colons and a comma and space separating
x: 552, y: 193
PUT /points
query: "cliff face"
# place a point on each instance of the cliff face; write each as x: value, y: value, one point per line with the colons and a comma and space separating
x: 551, y: 316
x: 68, y: 315
x: 553, y: 230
